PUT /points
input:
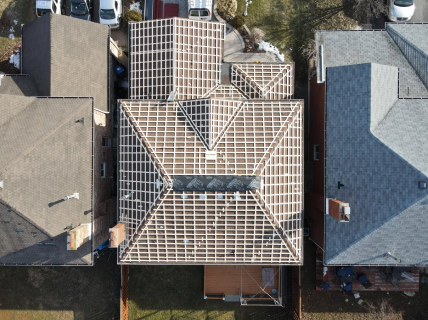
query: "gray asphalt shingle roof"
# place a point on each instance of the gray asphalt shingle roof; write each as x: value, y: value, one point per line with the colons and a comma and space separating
x: 67, y: 57
x: 415, y: 33
x: 45, y: 155
x: 376, y: 145
x: 18, y: 85
x: 341, y: 48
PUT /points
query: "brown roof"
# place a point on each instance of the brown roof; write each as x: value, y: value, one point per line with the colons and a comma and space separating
x: 45, y: 156
x: 67, y: 57
x: 262, y: 138
x: 187, y: 126
x: 181, y: 55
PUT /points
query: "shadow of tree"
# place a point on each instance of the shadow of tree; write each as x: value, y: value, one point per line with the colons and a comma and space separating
x: 292, y: 27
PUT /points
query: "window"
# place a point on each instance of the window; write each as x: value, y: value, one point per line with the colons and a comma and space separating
x: 106, y: 142
x: 103, y: 169
x: 53, y: 7
x: 316, y: 152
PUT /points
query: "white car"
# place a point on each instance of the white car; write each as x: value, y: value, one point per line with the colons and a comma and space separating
x: 49, y: 6
x: 111, y: 12
x: 200, y: 9
x: 400, y: 10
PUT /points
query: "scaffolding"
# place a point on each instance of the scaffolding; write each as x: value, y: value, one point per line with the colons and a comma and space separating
x: 186, y: 123
x: 225, y: 91
x: 262, y: 138
x: 264, y: 80
x: 174, y: 55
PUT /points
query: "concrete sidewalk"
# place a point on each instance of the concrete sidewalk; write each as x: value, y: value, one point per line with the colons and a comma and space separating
x: 234, y: 45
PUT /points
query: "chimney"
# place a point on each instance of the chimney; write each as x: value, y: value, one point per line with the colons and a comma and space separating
x: 338, y: 210
x: 78, y: 236
x: 116, y: 235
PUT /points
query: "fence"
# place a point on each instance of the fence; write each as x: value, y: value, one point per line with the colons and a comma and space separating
x: 124, y: 293
x: 417, y: 58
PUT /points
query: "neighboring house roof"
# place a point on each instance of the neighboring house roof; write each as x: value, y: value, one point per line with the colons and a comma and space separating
x: 174, y: 55
x: 17, y: 85
x: 376, y: 146
x: 340, y: 48
x: 67, y: 57
x: 46, y: 154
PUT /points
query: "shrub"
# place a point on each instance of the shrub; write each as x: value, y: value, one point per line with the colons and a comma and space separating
x: 227, y: 7
x: 238, y: 21
x: 132, y: 15
x: 257, y: 35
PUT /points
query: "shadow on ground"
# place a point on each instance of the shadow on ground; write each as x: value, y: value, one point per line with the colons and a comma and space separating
x: 61, y: 292
x: 176, y: 292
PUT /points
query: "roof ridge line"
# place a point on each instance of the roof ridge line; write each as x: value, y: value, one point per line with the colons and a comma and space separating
x: 209, y: 92
x: 275, y: 142
x: 192, y: 124
x: 262, y: 204
x: 162, y: 172
x: 255, y: 86
x: 229, y: 123
x: 383, y: 119
x: 143, y: 224
x: 280, y: 72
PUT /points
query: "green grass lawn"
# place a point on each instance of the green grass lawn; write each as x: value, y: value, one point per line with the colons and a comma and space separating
x: 176, y: 292
x: 258, y: 12
x: 51, y: 293
x: 22, y: 11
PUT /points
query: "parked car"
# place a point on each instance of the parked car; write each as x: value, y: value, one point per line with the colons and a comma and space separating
x: 49, y: 6
x: 111, y: 12
x: 200, y: 9
x: 400, y: 10
x: 80, y: 9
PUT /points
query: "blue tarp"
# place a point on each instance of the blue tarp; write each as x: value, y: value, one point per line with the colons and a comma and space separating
x: 105, y: 244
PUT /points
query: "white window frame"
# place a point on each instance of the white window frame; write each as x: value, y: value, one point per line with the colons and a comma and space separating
x: 103, y: 169
x: 316, y: 152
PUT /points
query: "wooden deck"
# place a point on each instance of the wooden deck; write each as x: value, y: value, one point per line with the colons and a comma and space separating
x: 373, y: 274
x: 232, y: 280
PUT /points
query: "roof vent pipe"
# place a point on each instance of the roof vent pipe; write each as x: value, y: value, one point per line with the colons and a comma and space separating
x: 127, y: 196
x: 389, y: 254
x: 74, y: 195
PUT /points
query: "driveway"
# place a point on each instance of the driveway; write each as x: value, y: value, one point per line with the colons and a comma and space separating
x: 421, y: 15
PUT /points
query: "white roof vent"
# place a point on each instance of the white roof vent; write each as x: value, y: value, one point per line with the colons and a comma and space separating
x: 74, y: 195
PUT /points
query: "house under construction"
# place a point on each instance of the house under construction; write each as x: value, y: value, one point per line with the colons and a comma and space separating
x: 209, y: 173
